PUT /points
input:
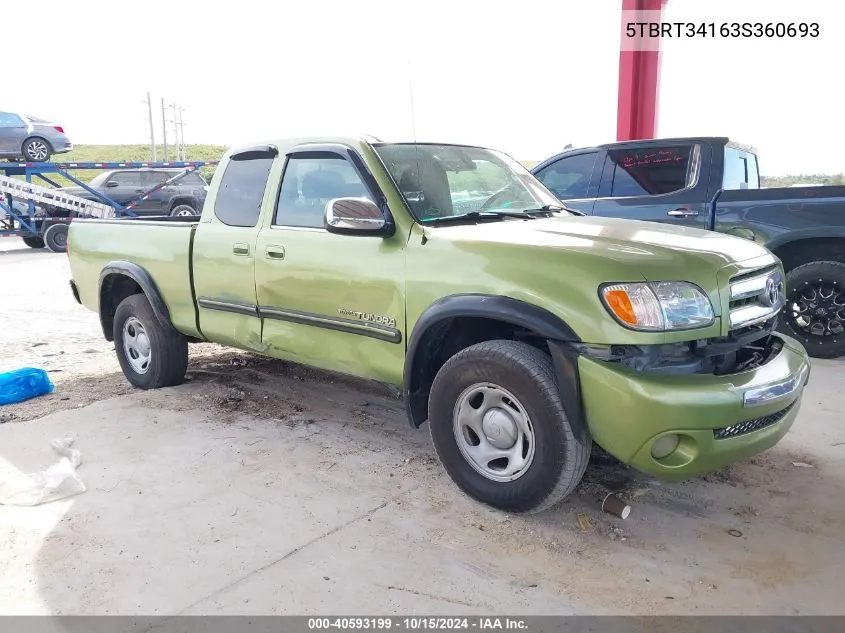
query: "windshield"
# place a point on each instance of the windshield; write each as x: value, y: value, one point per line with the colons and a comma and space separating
x: 442, y: 181
x: 99, y: 180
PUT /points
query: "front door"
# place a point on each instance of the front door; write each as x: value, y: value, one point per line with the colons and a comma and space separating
x: 123, y: 186
x: 224, y: 252
x: 655, y: 183
x: 328, y: 300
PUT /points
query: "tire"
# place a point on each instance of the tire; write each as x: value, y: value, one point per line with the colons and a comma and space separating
x: 36, y: 150
x: 527, y: 375
x: 33, y: 242
x: 183, y: 209
x: 815, y: 308
x: 55, y: 238
x: 136, y: 329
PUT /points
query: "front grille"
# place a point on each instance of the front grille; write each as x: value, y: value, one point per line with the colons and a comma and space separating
x: 750, y: 426
x: 751, y: 300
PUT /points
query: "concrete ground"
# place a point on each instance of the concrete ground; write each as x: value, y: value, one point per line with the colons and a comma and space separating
x: 260, y: 487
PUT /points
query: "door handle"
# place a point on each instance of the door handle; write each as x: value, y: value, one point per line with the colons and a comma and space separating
x: 240, y: 249
x: 682, y: 213
x: 275, y: 252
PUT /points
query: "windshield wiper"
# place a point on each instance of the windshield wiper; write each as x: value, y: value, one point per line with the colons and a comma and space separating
x: 473, y: 216
x: 548, y: 209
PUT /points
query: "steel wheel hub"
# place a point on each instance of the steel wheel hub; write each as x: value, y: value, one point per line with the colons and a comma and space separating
x: 493, y: 432
x: 136, y: 345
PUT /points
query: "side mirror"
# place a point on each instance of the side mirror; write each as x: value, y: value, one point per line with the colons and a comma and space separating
x: 111, y: 183
x: 354, y: 216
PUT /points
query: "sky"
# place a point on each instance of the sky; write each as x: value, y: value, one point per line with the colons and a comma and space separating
x: 527, y: 78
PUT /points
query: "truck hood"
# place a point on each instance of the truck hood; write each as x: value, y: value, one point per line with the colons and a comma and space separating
x: 658, y: 251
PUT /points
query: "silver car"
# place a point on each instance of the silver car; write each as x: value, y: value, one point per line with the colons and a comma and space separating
x: 24, y: 137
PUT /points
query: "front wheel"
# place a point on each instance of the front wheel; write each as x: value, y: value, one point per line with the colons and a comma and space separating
x: 815, y: 308
x: 150, y: 354
x: 500, y: 430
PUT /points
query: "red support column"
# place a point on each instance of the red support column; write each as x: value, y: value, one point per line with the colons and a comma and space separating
x: 639, y: 72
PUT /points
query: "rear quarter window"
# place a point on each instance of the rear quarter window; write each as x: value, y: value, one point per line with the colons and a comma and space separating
x: 241, y: 191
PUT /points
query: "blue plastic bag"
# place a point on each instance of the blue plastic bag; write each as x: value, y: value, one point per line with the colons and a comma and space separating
x: 23, y: 384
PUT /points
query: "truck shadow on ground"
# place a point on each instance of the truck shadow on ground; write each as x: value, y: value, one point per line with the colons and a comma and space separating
x: 712, y: 544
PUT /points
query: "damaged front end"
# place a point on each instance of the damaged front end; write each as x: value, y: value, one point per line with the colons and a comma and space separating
x: 742, y: 350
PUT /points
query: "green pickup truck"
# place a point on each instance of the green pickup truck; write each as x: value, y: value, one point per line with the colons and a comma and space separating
x: 520, y: 330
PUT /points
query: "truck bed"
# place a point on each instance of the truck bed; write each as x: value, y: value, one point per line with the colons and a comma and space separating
x: 781, y: 214
x: 160, y: 245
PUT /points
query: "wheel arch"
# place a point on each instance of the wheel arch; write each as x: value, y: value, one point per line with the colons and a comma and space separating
x: 177, y: 200
x: 457, y: 321
x: 121, y: 279
x: 32, y: 137
x: 803, y: 249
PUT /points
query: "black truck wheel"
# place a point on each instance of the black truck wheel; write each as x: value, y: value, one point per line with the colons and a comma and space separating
x: 815, y: 308
x: 33, y: 242
x: 499, y: 428
x: 150, y: 355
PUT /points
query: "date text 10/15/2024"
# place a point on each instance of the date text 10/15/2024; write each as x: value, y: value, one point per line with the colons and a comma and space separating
x: 641, y: 30
x: 417, y: 624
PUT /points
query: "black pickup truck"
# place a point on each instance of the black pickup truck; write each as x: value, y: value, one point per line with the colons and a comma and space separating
x: 714, y: 184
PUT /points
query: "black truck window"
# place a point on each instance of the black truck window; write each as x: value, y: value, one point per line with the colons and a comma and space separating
x: 740, y: 170
x: 241, y: 191
x: 569, y: 177
x: 648, y: 172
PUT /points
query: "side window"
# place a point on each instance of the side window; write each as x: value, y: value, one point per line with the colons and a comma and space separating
x: 152, y: 179
x: 740, y: 170
x: 193, y: 179
x: 569, y: 178
x: 241, y: 190
x: 8, y: 119
x: 648, y: 172
x: 309, y: 182
x: 127, y: 178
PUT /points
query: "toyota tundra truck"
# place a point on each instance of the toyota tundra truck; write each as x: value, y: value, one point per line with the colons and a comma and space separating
x: 522, y: 332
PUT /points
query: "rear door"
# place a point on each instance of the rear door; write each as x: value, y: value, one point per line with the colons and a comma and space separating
x: 224, y: 250
x: 12, y: 133
x: 657, y: 183
x: 574, y: 179
x: 156, y: 202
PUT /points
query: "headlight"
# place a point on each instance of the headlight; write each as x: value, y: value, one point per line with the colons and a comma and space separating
x: 658, y: 307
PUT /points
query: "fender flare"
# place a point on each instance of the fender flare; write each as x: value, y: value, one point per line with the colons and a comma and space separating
x: 148, y: 286
x: 500, y: 308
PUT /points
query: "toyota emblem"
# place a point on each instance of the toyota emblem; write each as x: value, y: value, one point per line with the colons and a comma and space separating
x: 772, y: 292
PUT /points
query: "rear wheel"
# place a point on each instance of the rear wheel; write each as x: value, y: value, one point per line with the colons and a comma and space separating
x: 150, y: 355
x: 815, y: 308
x: 36, y: 150
x: 33, y: 242
x: 499, y: 428
x: 183, y: 209
x: 55, y: 238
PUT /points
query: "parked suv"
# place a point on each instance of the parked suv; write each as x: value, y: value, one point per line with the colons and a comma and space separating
x: 184, y: 196
x: 30, y: 138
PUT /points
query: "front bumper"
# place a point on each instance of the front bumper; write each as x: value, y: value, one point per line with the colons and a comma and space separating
x: 718, y: 419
